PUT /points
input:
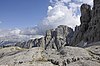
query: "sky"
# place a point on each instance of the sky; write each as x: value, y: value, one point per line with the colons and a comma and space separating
x: 38, y: 15
x: 22, y: 13
x: 29, y: 13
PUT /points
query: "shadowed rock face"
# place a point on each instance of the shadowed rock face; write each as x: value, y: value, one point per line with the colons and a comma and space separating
x: 93, y: 32
x: 85, y: 19
x: 85, y: 14
x: 54, y: 39
x: 96, y: 3
x: 89, y: 30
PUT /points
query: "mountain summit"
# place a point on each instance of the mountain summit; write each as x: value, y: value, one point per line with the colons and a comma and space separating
x: 89, y: 30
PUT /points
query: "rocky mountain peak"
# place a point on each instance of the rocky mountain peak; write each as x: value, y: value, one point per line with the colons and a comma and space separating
x: 59, y: 37
x: 89, y: 30
x: 85, y: 13
x: 53, y: 39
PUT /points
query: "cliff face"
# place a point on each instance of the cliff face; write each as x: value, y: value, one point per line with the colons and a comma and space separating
x: 85, y: 19
x: 54, y: 39
x: 32, y: 43
x: 89, y: 30
x: 86, y: 33
x: 93, y: 32
x: 59, y: 37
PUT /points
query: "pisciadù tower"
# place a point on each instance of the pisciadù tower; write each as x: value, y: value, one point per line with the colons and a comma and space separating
x: 93, y: 32
x: 89, y: 30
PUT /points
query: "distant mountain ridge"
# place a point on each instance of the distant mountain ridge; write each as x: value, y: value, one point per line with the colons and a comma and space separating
x: 12, y: 36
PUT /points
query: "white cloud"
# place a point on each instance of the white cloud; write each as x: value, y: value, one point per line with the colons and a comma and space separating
x: 90, y: 2
x: 61, y: 15
x: 64, y: 12
x: 15, y: 31
x: 60, y: 12
x: 66, y: 1
x: 18, y: 34
x: 49, y: 8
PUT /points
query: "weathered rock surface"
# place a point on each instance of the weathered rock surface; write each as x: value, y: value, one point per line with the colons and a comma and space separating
x: 54, y: 39
x: 67, y: 56
x: 15, y: 56
x: 84, y: 63
x: 85, y: 19
x: 32, y: 43
x: 58, y: 38
x: 89, y: 30
x: 74, y: 56
x: 93, y: 32
x: 94, y: 52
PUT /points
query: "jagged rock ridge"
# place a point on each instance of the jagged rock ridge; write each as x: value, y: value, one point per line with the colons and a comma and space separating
x: 54, y: 39
x: 89, y: 30
x: 86, y: 33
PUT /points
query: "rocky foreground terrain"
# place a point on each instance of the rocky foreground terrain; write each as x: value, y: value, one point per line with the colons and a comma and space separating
x: 60, y: 46
x: 67, y: 56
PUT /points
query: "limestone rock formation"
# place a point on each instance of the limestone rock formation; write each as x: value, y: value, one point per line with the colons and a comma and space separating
x: 37, y: 56
x: 89, y: 30
x: 93, y: 32
x: 32, y: 43
x: 75, y: 56
x: 59, y: 37
x: 85, y: 19
x: 15, y: 56
x: 54, y: 39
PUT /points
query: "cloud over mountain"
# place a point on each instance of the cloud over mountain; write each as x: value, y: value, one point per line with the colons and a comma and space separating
x: 60, y: 12
x: 65, y: 12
